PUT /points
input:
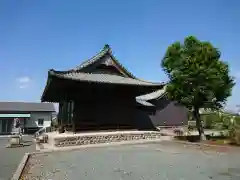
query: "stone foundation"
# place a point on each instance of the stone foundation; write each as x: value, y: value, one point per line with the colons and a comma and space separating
x: 76, y: 140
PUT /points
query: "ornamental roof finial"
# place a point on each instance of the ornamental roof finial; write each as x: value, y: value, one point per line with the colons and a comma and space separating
x: 106, y: 46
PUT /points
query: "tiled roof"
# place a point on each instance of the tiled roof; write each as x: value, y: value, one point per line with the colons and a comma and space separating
x: 153, y: 95
x: 98, y: 56
x: 79, y: 73
x: 144, y: 103
x: 26, y: 107
x: 102, y: 78
x: 94, y: 58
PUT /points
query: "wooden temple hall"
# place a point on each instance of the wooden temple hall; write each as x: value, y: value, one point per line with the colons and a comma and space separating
x: 99, y: 94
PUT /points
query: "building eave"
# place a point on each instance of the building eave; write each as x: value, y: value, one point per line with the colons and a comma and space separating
x: 25, y: 107
x: 154, y: 95
x: 102, y: 78
x: 144, y: 103
x: 49, y: 79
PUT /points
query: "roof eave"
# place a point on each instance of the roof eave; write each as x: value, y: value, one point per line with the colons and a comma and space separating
x: 55, y: 74
x: 152, y: 96
x: 49, y: 79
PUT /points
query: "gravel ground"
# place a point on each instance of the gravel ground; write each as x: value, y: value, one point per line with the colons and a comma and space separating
x: 155, y: 161
x: 11, y: 157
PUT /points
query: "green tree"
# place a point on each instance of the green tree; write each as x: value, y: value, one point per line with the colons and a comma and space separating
x: 197, y: 77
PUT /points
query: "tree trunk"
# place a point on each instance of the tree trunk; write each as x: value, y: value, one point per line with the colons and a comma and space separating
x: 199, y: 124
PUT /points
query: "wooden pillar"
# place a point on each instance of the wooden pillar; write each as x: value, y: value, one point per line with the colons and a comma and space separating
x: 60, y: 114
x: 73, y: 117
x: 64, y: 113
x: 69, y: 112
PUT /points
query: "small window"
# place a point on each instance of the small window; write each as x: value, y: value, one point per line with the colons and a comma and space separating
x: 40, y: 122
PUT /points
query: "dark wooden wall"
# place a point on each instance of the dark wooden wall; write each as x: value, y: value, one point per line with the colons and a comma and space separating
x: 168, y: 113
x: 109, y: 112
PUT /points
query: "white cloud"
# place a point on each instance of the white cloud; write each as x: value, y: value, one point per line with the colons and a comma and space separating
x: 24, y: 79
x: 23, y: 82
x: 23, y: 86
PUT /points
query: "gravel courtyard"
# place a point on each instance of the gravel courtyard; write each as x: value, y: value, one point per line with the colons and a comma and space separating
x: 155, y: 161
x: 11, y: 157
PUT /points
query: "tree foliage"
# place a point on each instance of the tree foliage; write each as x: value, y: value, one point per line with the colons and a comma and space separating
x: 197, y: 77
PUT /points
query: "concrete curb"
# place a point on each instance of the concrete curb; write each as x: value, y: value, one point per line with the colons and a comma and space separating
x: 21, y: 166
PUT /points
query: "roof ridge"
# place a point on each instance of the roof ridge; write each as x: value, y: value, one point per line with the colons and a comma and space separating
x: 106, y: 49
x: 91, y: 60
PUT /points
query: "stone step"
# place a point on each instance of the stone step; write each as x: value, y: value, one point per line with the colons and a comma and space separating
x: 56, y: 140
x: 75, y: 140
x: 48, y: 148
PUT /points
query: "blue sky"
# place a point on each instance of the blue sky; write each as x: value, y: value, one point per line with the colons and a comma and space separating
x: 38, y: 35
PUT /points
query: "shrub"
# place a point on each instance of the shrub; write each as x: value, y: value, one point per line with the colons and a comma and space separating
x: 210, y: 120
x: 234, y: 134
x: 237, y: 137
x: 208, y: 123
x: 237, y: 121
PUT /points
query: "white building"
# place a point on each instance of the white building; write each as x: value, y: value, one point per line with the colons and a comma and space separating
x: 32, y: 116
